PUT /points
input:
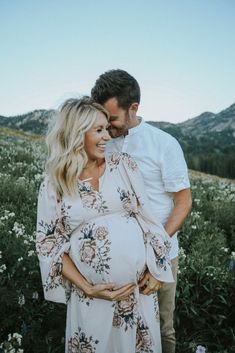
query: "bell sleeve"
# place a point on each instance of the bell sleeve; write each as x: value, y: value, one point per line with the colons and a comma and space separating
x: 52, y: 241
x: 157, y: 241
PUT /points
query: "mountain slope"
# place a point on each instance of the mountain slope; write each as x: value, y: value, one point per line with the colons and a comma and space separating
x: 207, y: 140
x: 35, y: 122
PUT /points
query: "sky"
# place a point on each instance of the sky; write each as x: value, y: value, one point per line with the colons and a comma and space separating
x: 182, y: 53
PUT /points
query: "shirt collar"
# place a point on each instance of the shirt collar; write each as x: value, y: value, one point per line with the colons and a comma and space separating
x: 137, y: 128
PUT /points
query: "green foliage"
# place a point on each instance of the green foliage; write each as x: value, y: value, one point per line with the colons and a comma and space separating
x: 22, y: 305
x: 204, y: 302
x: 206, y: 281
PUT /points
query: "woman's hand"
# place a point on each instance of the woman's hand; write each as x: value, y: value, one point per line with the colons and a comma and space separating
x: 106, y: 291
x: 102, y: 291
x: 148, y: 284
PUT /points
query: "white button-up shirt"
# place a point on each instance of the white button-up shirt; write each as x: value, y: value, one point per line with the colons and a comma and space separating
x: 162, y: 164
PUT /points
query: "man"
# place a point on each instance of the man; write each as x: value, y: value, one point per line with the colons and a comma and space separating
x: 162, y: 164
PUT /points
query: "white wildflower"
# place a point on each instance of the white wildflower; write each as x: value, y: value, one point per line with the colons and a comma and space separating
x: 197, y: 201
x: 19, y: 229
x: 3, y: 268
x: 194, y: 226
x: 35, y: 295
x: 200, y: 349
x: 182, y: 253
x: 225, y: 249
x: 18, y: 337
x: 30, y: 253
x: 21, y: 300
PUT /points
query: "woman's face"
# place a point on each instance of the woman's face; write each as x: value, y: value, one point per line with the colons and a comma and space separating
x: 96, y: 138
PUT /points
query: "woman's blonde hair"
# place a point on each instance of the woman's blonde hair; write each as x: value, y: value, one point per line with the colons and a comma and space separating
x: 65, y: 142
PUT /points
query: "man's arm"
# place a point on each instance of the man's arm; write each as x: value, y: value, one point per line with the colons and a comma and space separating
x: 183, y: 204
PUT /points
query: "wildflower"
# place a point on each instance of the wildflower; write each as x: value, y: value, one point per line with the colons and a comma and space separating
x: 35, y: 295
x: 225, y: 249
x: 182, y: 253
x: 7, y: 214
x: 30, y: 253
x: 200, y: 349
x: 18, y: 337
x: 21, y: 300
x: 3, y: 268
x: 194, y: 226
x: 19, y: 229
x: 20, y: 259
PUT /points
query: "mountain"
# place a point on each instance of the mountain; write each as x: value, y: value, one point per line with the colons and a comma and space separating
x: 35, y: 122
x: 208, y: 140
x: 210, y: 122
x: 204, y: 124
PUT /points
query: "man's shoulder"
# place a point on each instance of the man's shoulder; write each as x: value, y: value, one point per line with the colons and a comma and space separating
x: 161, y: 135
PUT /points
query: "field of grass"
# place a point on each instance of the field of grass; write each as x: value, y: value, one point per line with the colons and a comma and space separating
x: 206, y: 283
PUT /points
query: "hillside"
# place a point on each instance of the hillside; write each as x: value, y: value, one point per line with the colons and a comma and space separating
x: 208, y: 140
x: 35, y: 122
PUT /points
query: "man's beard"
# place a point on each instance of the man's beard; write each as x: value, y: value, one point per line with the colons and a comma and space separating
x: 117, y: 132
x: 122, y: 131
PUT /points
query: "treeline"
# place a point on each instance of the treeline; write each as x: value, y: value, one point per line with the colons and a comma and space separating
x: 212, y: 152
x: 221, y: 165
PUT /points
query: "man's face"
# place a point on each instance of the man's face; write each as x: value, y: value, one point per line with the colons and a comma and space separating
x: 119, y: 118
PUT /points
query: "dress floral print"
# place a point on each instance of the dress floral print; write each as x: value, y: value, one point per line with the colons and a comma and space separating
x: 110, y: 236
x: 125, y: 313
x: 91, y: 253
x: 81, y: 343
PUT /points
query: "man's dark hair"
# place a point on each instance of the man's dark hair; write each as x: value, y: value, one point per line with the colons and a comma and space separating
x: 118, y: 84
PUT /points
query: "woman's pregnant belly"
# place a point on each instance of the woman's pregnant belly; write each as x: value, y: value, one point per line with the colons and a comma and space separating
x: 109, y: 249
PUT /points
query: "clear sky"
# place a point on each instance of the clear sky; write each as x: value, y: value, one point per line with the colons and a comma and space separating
x: 182, y: 52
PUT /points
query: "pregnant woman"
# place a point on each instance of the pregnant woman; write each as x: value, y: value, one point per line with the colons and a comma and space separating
x: 96, y: 241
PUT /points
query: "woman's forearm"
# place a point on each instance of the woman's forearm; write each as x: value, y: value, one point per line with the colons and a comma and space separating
x: 71, y: 272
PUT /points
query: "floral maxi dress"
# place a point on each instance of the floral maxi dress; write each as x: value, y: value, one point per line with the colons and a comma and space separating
x: 111, y: 237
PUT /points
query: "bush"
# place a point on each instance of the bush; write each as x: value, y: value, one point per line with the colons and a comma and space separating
x: 204, y: 298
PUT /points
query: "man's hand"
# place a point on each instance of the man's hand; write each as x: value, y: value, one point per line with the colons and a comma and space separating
x: 148, y: 284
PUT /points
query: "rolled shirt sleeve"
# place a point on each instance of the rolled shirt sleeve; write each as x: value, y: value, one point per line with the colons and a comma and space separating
x: 174, y: 168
